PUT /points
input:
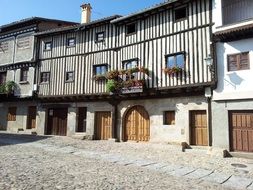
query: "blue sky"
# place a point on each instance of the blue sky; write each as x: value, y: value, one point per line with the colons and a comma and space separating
x: 13, y: 10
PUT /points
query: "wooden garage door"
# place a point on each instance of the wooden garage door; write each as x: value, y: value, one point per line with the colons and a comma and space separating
x: 137, y: 125
x: 241, y: 131
x: 103, y: 125
x: 57, y: 121
x: 31, y: 117
x: 198, y: 126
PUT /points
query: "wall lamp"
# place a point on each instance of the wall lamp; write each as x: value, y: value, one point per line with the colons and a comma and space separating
x: 209, y: 62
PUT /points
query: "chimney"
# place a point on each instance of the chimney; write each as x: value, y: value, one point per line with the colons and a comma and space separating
x: 86, y: 13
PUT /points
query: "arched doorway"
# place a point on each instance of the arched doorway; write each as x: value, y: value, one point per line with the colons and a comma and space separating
x: 136, y: 124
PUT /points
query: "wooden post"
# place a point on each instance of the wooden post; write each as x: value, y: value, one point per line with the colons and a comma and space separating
x: 115, y: 103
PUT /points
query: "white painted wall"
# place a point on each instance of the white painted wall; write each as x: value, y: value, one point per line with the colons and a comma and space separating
x: 217, y: 14
x: 235, y: 84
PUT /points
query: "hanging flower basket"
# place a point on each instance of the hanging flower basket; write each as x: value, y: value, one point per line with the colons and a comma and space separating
x: 99, y: 77
x: 172, y: 70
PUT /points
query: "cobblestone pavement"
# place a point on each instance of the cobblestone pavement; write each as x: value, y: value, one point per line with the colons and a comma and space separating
x: 29, y: 162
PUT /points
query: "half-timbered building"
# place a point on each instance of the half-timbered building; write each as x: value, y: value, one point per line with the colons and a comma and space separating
x: 139, y: 77
x: 232, y: 99
x: 18, y: 55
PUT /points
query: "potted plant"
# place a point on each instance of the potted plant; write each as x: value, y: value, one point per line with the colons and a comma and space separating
x: 99, y: 77
x: 112, y: 74
x: 173, y: 70
x: 144, y: 70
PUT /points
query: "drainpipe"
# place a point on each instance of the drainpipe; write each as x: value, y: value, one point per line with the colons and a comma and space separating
x: 210, y: 137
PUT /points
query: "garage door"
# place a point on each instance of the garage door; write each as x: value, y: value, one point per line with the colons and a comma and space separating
x: 57, y: 121
x: 103, y: 125
x: 137, y: 126
x: 198, y: 125
x: 241, y: 131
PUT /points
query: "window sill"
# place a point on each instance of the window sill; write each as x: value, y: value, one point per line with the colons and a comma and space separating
x: 44, y: 83
x: 69, y: 81
x: 71, y: 46
x: 100, y: 41
x: 130, y: 34
x: 46, y: 50
x: 23, y: 82
x: 181, y: 19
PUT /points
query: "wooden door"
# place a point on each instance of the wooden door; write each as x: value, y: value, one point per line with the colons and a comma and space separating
x: 241, y: 131
x: 57, y: 121
x: 31, y: 117
x: 81, y: 121
x: 137, y: 125
x: 198, y: 126
x: 103, y: 125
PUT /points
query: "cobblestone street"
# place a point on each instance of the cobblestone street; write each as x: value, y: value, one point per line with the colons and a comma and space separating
x: 30, y: 162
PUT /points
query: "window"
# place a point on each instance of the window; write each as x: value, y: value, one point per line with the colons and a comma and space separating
x: 2, y: 77
x: 169, y: 118
x: 48, y: 46
x: 71, y: 42
x: 100, y: 69
x: 129, y: 64
x: 180, y: 13
x: 100, y: 37
x: 24, y: 74
x: 23, y: 43
x: 45, y: 77
x: 70, y: 76
x: 131, y: 28
x: 12, y: 114
x: 175, y: 60
x: 4, y: 46
x: 238, y: 61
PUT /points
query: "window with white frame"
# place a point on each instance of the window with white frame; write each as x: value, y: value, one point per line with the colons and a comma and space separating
x: 70, y: 76
x: 48, y: 46
x: 100, y: 36
x: 71, y: 42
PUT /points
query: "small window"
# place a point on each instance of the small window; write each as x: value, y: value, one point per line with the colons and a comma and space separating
x: 45, y: 77
x: 24, y: 74
x: 70, y: 76
x: 131, y: 28
x: 100, y: 37
x: 169, y: 118
x: 4, y: 46
x: 175, y: 60
x: 23, y: 43
x: 71, y: 42
x: 238, y: 62
x: 2, y: 77
x: 180, y: 13
x: 48, y: 46
x: 100, y: 69
x: 12, y: 114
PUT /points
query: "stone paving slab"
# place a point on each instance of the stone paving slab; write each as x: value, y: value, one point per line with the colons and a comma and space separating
x: 217, y: 177
x: 199, y: 173
x: 250, y: 187
x: 142, y: 162
x: 182, y: 171
x: 238, y: 182
x: 170, y: 168
x: 156, y: 166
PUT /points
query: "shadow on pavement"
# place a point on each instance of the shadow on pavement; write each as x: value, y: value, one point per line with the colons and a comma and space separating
x: 13, y: 139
